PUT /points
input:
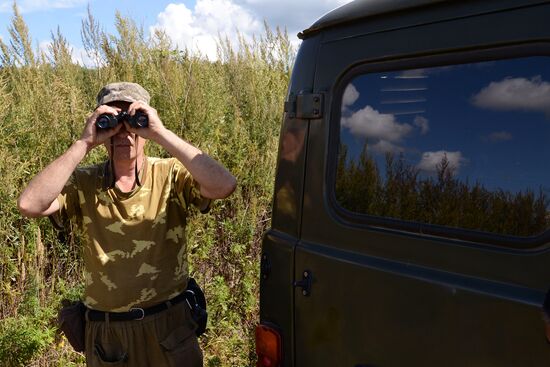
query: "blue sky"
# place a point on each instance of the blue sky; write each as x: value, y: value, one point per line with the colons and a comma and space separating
x: 190, y: 23
x: 490, y: 119
x: 42, y: 19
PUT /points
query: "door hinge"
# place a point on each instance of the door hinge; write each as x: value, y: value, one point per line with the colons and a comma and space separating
x: 305, y: 105
x: 265, y: 266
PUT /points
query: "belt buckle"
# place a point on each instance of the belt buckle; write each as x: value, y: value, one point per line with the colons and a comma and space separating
x: 142, y: 312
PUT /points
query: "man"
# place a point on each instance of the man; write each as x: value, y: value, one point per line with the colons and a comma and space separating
x: 132, y: 212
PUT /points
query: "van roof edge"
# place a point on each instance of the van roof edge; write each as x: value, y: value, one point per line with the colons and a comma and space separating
x: 360, y: 9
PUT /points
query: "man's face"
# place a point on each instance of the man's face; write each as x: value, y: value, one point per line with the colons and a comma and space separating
x: 124, y: 142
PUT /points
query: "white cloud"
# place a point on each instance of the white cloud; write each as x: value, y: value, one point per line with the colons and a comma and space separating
x: 78, y: 55
x: 296, y: 15
x: 499, y: 136
x: 384, y: 146
x: 431, y: 161
x: 27, y: 6
x: 383, y: 131
x: 199, y: 29
x: 44, y: 46
x: 350, y: 96
x: 515, y: 94
x: 370, y: 123
x: 422, y: 123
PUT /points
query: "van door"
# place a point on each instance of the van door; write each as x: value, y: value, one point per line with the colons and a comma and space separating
x: 424, y: 237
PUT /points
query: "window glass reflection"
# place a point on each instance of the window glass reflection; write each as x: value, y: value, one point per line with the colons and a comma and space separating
x: 462, y: 146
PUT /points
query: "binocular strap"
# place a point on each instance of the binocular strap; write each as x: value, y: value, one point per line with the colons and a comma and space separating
x: 136, y: 173
x: 112, y: 163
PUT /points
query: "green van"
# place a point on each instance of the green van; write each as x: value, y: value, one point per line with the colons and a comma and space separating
x: 411, y: 210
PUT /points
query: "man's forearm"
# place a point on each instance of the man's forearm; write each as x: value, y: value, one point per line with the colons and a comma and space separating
x: 215, y: 181
x: 47, y: 185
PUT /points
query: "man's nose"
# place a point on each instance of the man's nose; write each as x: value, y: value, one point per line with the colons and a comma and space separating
x: 123, y: 132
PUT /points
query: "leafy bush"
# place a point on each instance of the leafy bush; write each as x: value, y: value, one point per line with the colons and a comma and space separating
x: 229, y: 108
x: 22, y: 339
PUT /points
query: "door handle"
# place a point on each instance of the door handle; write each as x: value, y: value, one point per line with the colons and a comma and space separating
x: 305, y: 283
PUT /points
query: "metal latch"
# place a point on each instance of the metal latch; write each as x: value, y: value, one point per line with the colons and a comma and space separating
x: 305, y: 105
x: 305, y: 283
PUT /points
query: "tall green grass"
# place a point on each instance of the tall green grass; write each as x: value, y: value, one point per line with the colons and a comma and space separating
x: 230, y: 108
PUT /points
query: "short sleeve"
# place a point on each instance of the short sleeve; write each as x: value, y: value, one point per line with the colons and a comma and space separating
x: 187, y: 189
x: 68, y: 204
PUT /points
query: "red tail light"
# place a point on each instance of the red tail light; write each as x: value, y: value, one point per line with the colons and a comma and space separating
x: 268, y: 347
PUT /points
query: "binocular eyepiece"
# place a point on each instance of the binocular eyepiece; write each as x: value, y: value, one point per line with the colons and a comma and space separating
x: 108, y: 121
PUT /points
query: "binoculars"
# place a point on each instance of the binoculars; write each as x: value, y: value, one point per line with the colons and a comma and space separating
x: 108, y: 121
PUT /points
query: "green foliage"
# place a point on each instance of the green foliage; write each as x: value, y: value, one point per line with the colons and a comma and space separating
x: 230, y: 108
x: 22, y: 339
x: 442, y: 200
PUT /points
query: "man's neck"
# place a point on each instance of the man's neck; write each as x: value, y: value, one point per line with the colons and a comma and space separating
x: 125, y: 172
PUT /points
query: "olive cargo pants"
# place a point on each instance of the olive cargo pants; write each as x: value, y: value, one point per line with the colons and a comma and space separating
x: 164, y: 339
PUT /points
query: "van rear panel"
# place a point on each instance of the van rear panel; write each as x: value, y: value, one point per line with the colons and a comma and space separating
x: 363, y: 281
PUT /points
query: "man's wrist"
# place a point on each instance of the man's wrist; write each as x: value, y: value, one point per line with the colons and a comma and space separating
x: 160, y: 136
x: 82, y: 144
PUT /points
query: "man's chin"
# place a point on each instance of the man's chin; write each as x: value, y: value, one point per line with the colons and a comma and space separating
x: 124, y: 157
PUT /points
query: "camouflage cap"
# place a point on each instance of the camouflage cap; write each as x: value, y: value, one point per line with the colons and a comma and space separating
x: 122, y: 91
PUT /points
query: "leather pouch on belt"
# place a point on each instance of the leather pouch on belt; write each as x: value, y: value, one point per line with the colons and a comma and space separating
x: 71, y: 320
x: 197, y: 304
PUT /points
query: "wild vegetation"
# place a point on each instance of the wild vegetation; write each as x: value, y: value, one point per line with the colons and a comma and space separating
x: 403, y: 193
x: 231, y: 108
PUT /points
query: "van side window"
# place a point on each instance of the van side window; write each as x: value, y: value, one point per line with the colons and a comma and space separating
x: 464, y: 146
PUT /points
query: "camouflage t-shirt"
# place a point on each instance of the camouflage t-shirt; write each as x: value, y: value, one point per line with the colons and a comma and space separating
x: 135, y: 252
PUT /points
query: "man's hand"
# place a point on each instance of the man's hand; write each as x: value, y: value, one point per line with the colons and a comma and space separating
x: 93, y: 136
x: 155, y: 128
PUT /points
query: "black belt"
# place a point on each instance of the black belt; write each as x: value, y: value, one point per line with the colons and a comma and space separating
x: 135, y: 313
